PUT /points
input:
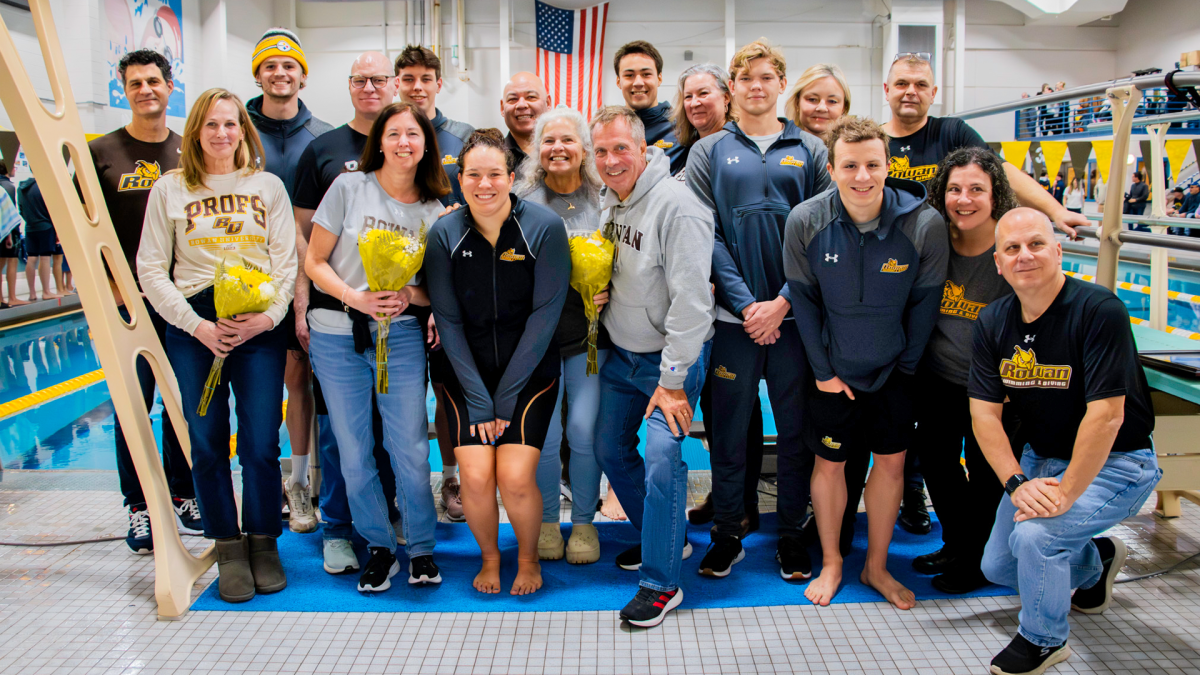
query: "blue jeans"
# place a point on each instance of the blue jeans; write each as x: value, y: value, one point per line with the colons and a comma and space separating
x: 583, y: 404
x: 1046, y: 558
x: 347, y: 380
x: 254, y: 371
x: 652, y: 491
x: 335, y: 506
x: 179, y: 474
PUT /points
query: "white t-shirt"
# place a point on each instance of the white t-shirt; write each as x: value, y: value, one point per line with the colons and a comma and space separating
x: 354, y: 203
x: 765, y: 142
x: 242, y: 213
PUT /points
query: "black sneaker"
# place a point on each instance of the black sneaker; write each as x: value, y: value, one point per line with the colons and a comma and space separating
x: 422, y: 570
x: 1022, y: 657
x: 649, y: 607
x: 960, y: 580
x: 187, y: 515
x: 703, y: 513
x: 631, y: 559
x: 722, y: 554
x: 1095, y: 600
x: 380, y: 569
x: 794, y: 561
x: 139, y: 538
x: 941, y: 560
x: 914, y: 517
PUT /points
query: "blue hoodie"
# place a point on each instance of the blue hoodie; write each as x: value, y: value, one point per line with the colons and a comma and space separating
x: 752, y: 195
x: 452, y: 135
x: 866, y: 303
x: 660, y: 133
x: 284, y: 140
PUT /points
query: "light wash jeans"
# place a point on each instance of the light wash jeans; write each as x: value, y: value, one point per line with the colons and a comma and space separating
x: 1045, y: 559
x: 653, y: 491
x: 583, y: 405
x: 347, y: 380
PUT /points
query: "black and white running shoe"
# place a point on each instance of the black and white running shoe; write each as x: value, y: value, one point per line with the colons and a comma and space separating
x: 139, y: 539
x: 187, y: 515
x: 1022, y: 657
x: 794, y: 561
x: 422, y: 570
x: 631, y: 559
x: 380, y: 569
x: 649, y: 607
x: 1095, y: 600
x: 723, y: 554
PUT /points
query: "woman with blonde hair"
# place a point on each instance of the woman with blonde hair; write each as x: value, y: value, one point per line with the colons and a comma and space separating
x: 820, y: 97
x: 220, y: 203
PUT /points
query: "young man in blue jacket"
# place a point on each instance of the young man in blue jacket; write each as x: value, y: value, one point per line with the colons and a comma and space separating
x: 751, y: 174
x: 865, y: 266
x: 639, y: 74
x: 419, y: 81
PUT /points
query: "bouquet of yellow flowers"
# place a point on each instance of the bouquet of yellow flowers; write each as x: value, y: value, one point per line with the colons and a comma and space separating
x: 390, y: 260
x: 238, y: 288
x: 591, y: 270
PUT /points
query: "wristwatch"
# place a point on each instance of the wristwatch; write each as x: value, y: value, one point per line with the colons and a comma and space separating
x: 1015, y: 482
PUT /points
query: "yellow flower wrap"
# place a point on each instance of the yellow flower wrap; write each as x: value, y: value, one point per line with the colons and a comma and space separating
x: 390, y: 259
x: 238, y: 288
x: 591, y: 270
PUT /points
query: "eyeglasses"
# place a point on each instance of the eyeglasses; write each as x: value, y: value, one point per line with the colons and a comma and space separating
x: 920, y: 56
x: 377, y: 81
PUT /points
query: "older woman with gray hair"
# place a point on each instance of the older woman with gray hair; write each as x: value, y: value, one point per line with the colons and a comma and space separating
x: 560, y: 173
x: 703, y: 103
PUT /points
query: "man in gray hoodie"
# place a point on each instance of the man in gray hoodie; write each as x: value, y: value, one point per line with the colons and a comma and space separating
x: 660, y: 318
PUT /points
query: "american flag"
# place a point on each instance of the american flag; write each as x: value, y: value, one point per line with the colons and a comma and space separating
x: 570, y: 54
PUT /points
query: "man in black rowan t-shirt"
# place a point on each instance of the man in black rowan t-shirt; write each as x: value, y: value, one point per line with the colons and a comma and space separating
x: 128, y: 161
x: 1062, y: 351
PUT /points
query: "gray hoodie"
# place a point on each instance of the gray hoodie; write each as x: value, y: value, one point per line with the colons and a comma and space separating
x: 661, y: 299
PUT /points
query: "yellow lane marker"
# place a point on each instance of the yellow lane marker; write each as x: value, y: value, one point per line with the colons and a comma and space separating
x: 50, y: 393
x: 1170, y: 329
x: 1138, y: 288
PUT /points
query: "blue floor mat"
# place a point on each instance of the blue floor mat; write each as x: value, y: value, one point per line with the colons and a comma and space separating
x: 754, y: 582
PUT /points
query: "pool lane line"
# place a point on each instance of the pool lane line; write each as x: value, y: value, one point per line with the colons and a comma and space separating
x: 1170, y: 329
x: 40, y: 319
x: 1138, y: 288
x: 50, y: 393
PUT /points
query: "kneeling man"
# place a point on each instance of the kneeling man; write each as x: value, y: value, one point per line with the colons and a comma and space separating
x: 1063, y: 352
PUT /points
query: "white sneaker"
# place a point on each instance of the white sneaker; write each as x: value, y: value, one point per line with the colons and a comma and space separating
x: 398, y: 526
x: 339, y: 556
x: 301, y: 515
x: 687, y: 550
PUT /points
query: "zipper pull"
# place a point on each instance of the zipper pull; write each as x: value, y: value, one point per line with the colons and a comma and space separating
x: 862, y: 240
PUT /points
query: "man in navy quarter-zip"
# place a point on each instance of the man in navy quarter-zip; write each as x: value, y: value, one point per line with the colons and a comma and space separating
x: 865, y: 265
x: 751, y: 174
x: 639, y: 74
x: 419, y: 81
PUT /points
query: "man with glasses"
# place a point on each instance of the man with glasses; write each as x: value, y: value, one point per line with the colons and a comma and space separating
x: 372, y: 88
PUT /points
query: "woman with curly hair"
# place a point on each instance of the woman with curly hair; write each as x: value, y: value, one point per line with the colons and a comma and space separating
x: 971, y: 192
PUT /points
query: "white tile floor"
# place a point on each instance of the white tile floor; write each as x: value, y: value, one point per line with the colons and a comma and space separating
x: 90, y: 609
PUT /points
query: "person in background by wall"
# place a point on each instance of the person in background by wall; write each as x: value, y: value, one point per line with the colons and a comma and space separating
x: 1099, y: 192
x: 1137, y: 198
x: 1073, y: 197
x: 129, y: 162
x: 522, y: 103
x: 10, y: 246
x: 40, y: 241
x: 419, y: 81
x: 639, y: 74
x: 1045, y: 119
x: 371, y: 86
x: 286, y: 127
x: 1062, y: 117
x: 1060, y: 187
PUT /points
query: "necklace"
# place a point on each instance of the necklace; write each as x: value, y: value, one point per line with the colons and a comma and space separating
x: 570, y: 206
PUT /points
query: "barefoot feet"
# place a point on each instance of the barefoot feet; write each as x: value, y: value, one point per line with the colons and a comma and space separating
x: 529, y: 578
x: 820, y: 591
x: 488, y: 579
x: 889, y: 588
x: 611, y: 508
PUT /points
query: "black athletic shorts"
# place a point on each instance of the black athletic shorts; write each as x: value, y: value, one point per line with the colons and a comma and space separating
x: 41, y: 243
x: 13, y: 251
x: 439, y: 365
x: 881, y: 421
x: 289, y: 325
x: 531, y: 416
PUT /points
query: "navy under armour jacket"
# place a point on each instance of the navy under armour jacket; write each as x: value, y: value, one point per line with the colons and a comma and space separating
x: 284, y: 140
x: 866, y: 303
x: 660, y: 133
x: 452, y: 135
x: 752, y: 194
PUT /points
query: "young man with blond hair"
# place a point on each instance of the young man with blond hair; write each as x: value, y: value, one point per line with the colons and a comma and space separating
x: 865, y: 265
x: 751, y: 174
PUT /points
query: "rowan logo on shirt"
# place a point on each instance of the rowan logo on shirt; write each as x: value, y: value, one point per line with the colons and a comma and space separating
x: 449, y: 159
x: 228, y: 206
x: 144, y: 175
x: 724, y: 374
x: 900, y: 168
x: 892, y: 266
x: 511, y: 255
x: 664, y: 144
x: 955, y: 302
x: 629, y: 236
x: 790, y: 161
x: 1023, y: 371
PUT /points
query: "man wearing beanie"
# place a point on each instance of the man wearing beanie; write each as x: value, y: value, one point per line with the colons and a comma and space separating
x: 286, y: 127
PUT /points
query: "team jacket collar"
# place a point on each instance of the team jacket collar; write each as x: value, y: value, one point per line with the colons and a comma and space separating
x: 790, y: 130
x: 274, y: 127
x: 900, y: 198
x: 438, y: 119
x: 517, y: 208
x: 658, y: 113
